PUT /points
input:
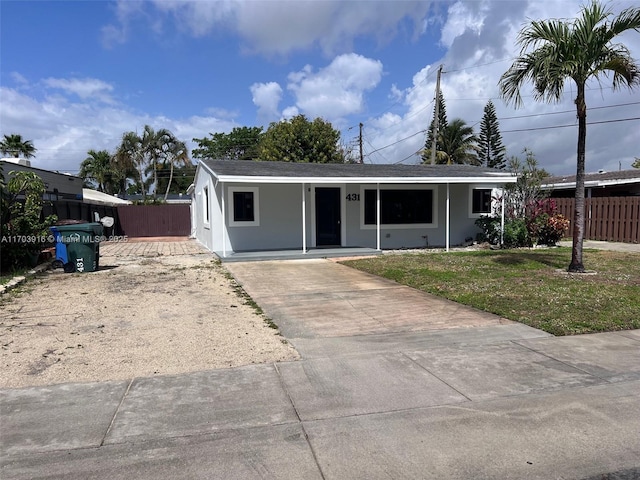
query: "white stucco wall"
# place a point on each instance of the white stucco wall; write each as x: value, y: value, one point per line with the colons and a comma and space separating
x: 279, y: 208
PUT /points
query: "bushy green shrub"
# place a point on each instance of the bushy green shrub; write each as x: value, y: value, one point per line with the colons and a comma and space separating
x: 515, y: 232
x: 24, y: 231
x: 490, y: 227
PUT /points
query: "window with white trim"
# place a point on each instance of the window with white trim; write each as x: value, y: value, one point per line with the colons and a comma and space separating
x: 244, y: 207
x: 400, y: 207
x: 481, y: 201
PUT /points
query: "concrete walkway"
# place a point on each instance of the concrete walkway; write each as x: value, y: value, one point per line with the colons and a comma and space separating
x: 600, y: 245
x: 393, y: 384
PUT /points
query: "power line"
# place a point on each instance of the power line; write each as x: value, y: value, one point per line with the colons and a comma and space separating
x: 567, y: 111
x: 407, y: 157
x: 570, y: 125
x: 398, y: 141
x: 378, y: 153
x: 397, y: 102
x: 479, y: 65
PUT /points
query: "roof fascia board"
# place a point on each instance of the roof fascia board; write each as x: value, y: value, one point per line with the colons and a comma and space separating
x: 382, y: 180
x: 591, y: 183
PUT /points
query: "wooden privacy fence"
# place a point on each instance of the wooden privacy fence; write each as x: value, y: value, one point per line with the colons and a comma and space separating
x: 155, y: 220
x: 611, y: 219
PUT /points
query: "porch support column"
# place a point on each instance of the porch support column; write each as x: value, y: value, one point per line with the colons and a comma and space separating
x: 378, y: 216
x: 304, y: 219
x: 448, y: 221
x: 224, y: 221
x: 502, y: 218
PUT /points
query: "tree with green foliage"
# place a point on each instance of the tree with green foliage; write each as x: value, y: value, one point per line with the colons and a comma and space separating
x: 442, y: 124
x: 145, y: 153
x: 554, y: 51
x: 154, y: 144
x: 180, y: 181
x: 299, y: 140
x: 242, y: 143
x: 23, y: 228
x: 457, y: 144
x: 130, y: 155
x: 175, y: 154
x: 98, y: 169
x: 528, y: 187
x: 491, y: 151
x: 15, y: 146
x: 528, y: 215
x: 636, y: 163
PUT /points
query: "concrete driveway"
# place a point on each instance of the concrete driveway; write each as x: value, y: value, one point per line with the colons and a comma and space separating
x: 387, y: 389
x: 321, y: 298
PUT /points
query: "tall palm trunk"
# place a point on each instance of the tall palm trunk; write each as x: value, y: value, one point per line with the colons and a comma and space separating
x: 155, y: 177
x: 576, y: 264
x: 166, y: 193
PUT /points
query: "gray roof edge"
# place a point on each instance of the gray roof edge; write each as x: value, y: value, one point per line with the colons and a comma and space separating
x: 235, y: 170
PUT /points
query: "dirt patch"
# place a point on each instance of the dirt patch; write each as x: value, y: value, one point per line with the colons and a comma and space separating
x: 135, y: 317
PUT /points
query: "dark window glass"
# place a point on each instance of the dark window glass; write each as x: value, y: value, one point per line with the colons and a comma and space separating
x: 481, y: 201
x: 206, y: 204
x: 398, y: 207
x: 243, y: 207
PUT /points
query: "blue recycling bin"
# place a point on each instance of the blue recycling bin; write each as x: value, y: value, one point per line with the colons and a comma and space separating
x: 78, y: 246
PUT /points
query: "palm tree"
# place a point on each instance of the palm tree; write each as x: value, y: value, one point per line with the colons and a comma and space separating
x: 578, y: 50
x: 457, y: 143
x: 176, y: 155
x: 97, y: 167
x: 153, y: 146
x: 130, y: 156
x: 14, y: 145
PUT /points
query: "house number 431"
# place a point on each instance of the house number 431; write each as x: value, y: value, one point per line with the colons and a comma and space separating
x: 353, y: 197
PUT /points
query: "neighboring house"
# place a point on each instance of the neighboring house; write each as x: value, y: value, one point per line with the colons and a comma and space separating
x: 241, y: 206
x: 623, y: 183
x: 59, y: 187
x: 64, y: 194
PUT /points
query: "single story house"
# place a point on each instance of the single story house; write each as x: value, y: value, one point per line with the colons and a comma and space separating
x: 622, y: 183
x: 243, y: 206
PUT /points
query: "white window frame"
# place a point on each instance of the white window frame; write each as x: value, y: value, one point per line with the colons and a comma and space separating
x: 434, y: 206
x: 493, y: 189
x: 256, y: 206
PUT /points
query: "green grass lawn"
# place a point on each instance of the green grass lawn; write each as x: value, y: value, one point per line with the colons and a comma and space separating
x: 529, y: 286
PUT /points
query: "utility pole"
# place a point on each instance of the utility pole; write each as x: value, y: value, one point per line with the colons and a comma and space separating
x: 360, y: 143
x: 436, y: 115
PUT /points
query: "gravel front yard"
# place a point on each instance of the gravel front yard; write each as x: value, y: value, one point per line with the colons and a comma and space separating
x: 138, y: 316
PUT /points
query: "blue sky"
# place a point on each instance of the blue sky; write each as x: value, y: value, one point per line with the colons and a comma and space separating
x: 76, y: 75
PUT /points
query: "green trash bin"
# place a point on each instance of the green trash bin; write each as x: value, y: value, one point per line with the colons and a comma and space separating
x: 83, y: 246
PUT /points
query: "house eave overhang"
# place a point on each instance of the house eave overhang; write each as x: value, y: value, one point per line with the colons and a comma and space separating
x: 490, y: 179
x: 590, y: 184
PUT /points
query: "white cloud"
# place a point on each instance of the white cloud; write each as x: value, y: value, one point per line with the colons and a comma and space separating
x: 336, y: 90
x: 222, y: 113
x: 63, y: 131
x: 267, y: 96
x: 290, y: 112
x: 19, y: 79
x: 117, y: 33
x: 481, y: 42
x: 279, y: 27
x: 86, y: 88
